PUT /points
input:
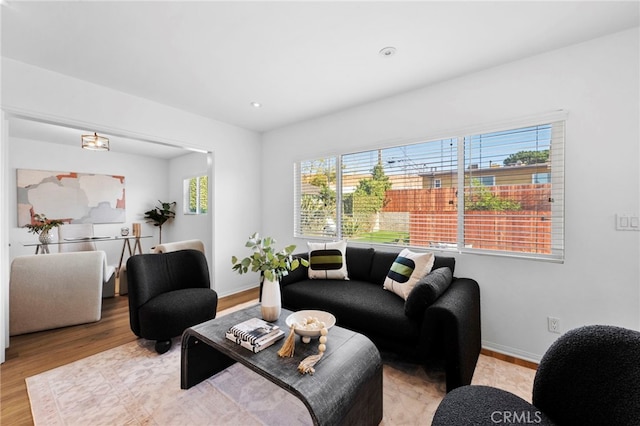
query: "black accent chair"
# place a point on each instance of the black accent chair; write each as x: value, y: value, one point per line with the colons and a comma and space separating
x: 168, y: 293
x: 589, y: 376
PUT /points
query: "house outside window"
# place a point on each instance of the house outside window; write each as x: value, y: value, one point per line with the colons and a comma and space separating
x: 471, y: 193
x: 196, y: 195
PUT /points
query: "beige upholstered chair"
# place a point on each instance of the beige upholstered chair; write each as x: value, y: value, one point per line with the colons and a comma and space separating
x: 55, y: 290
x: 161, y: 248
x: 85, y: 230
x: 179, y: 245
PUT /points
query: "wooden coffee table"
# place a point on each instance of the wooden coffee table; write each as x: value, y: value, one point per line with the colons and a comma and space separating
x: 345, y: 389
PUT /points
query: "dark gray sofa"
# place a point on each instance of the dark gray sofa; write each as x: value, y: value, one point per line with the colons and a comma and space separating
x: 447, y: 335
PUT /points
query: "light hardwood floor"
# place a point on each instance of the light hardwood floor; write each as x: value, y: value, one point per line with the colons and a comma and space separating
x: 33, y: 353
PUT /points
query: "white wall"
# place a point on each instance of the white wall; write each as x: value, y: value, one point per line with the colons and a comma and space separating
x: 598, y: 84
x: 146, y: 181
x: 4, y: 239
x: 188, y: 226
x: 58, y: 98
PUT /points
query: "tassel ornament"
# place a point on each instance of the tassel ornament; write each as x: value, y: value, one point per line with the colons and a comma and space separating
x: 307, y: 364
x: 289, y: 345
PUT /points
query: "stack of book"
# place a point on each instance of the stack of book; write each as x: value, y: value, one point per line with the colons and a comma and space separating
x: 255, y: 334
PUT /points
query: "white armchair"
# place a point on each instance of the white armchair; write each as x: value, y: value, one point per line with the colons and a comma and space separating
x: 85, y: 230
x: 55, y: 290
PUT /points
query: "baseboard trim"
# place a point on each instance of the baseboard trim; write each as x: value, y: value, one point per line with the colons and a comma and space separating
x: 237, y: 298
x: 510, y: 358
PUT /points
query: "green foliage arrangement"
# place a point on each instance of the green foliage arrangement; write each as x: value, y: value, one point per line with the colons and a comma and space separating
x: 160, y: 215
x: 40, y: 224
x: 265, y: 259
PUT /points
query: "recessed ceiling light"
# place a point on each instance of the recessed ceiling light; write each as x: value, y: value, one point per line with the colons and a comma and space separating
x: 256, y: 104
x: 387, y: 51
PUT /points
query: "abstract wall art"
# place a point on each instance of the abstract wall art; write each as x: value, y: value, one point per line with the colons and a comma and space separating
x: 69, y: 196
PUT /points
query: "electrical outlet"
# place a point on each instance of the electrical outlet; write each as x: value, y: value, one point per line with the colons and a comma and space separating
x: 553, y: 324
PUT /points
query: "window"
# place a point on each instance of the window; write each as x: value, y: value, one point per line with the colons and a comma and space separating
x: 541, y: 177
x: 514, y: 215
x: 316, y: 194
x: 497, y: 192
x: 486, y: 180
x: 196, y: 195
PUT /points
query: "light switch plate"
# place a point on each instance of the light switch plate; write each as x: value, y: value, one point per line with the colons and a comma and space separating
x: 627, y: 222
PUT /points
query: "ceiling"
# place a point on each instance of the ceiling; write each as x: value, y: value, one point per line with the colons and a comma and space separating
x: 64, y: 135
x: 298, y: 59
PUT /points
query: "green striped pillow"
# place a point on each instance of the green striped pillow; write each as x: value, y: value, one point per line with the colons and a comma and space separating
x: 328, y: 260
x: 406, y: 271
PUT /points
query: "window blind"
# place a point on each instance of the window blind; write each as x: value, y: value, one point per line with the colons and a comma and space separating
x: 499, y: 192
x: 402, y: 195
x: 315, y: 198
x: 513, y: 191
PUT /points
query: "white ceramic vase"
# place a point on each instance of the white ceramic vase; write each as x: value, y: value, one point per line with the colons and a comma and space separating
x: 271, y: 304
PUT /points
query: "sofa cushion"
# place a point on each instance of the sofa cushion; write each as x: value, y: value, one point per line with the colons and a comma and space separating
x: 426, y: 291
x: 328, y: 260
x: 357, y: 305
x: 359, y: 261
x: 441, y: 262
x: 300, y: 273
x: 406, y: 270
x: 380, y: 265
x: 160, y: 318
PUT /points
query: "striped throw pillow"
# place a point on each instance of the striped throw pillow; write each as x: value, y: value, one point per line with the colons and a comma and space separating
x: 406, y: 270
x: 328, y: 260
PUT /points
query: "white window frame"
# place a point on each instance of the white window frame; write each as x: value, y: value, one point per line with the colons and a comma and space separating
x: 186, y: 193
x: 556, y: 157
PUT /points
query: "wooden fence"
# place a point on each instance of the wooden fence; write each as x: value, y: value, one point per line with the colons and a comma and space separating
x: 530, y: 197
x: 518, y: 231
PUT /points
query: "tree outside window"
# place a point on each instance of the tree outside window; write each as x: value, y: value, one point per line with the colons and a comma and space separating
x: 196, y: 192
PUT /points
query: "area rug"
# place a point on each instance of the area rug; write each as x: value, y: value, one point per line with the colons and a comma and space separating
x: 132, y: 385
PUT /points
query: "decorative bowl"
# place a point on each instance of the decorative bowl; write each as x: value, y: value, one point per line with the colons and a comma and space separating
x: 306, y: 334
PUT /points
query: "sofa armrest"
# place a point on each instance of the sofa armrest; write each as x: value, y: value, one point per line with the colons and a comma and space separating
x: 298, y: 274
x: 452, y: 324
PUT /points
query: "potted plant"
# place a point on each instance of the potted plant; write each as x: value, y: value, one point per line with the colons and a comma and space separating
x: 272, y: 265
x: 41, y: 226
x: 160, y: 215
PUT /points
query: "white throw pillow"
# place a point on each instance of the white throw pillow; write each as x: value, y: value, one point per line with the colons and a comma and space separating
x: 328, y: 260
x: 406, y: 271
